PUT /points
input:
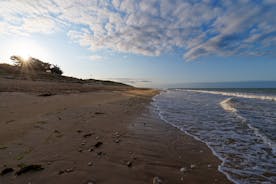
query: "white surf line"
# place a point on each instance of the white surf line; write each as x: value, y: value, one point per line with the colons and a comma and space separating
x: 227, y: 107
x: 241, y: 95
x: 223, y: 160
x: 225, y: 104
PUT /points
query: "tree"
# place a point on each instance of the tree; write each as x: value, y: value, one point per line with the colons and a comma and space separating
x: 36, y: 65
x: 18, y: 61
x: 56, y: 70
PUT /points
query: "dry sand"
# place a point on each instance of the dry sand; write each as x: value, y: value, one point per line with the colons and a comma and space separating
x: 63, y: 133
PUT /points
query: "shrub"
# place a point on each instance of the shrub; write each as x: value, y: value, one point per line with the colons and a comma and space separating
x: 35, y: 65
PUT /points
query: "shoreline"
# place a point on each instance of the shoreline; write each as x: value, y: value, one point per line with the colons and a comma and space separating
x: 196, y: 153
x: 199, y: 140
x: 210, y: 148
x: 102, y: 136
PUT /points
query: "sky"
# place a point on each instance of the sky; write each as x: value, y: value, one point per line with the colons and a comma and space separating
x: 152, y: 43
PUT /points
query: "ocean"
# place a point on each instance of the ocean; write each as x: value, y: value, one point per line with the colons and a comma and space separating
x: 238, y: 125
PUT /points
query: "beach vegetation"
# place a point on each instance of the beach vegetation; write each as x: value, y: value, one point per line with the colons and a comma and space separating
x: 36, y: 65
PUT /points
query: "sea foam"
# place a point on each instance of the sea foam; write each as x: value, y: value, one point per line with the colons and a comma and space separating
x: 227, y: 127
x: 236, y: 94
x: 225, y: 104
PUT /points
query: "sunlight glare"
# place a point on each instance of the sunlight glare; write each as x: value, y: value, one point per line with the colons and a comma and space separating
x: 26, y: 48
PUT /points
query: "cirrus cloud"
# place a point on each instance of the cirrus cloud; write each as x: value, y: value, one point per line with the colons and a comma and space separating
x: 150, y: 27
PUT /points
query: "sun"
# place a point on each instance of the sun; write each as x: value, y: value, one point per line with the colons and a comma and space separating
x: 26, y: 48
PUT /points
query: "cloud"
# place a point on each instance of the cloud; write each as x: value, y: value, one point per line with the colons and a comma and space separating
x: 96, y: 58
x: 150, y: 27
x: 132, y: 81
x: 27, y: 17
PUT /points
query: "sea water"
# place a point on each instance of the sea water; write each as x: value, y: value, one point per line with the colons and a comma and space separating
x: 238, y: 125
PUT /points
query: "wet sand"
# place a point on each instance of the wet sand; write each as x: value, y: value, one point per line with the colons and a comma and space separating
x: 103, y: 136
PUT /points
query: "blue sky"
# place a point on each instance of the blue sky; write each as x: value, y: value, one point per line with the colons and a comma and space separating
x: 145, y: 42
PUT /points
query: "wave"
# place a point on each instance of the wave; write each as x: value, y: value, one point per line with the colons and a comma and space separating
x: 236, y: 94
x: 169, y: 106
x: 223, y: 160
x: 264, y: 138
x: 228, y: 106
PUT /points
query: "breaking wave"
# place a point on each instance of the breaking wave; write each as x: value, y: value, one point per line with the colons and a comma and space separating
x: 236, y: 94
x: 226, y: 105
x: 240, y: 130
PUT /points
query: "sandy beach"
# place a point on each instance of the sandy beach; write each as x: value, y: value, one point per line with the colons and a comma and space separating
x: 137, y: 92
x: 97, y: 135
